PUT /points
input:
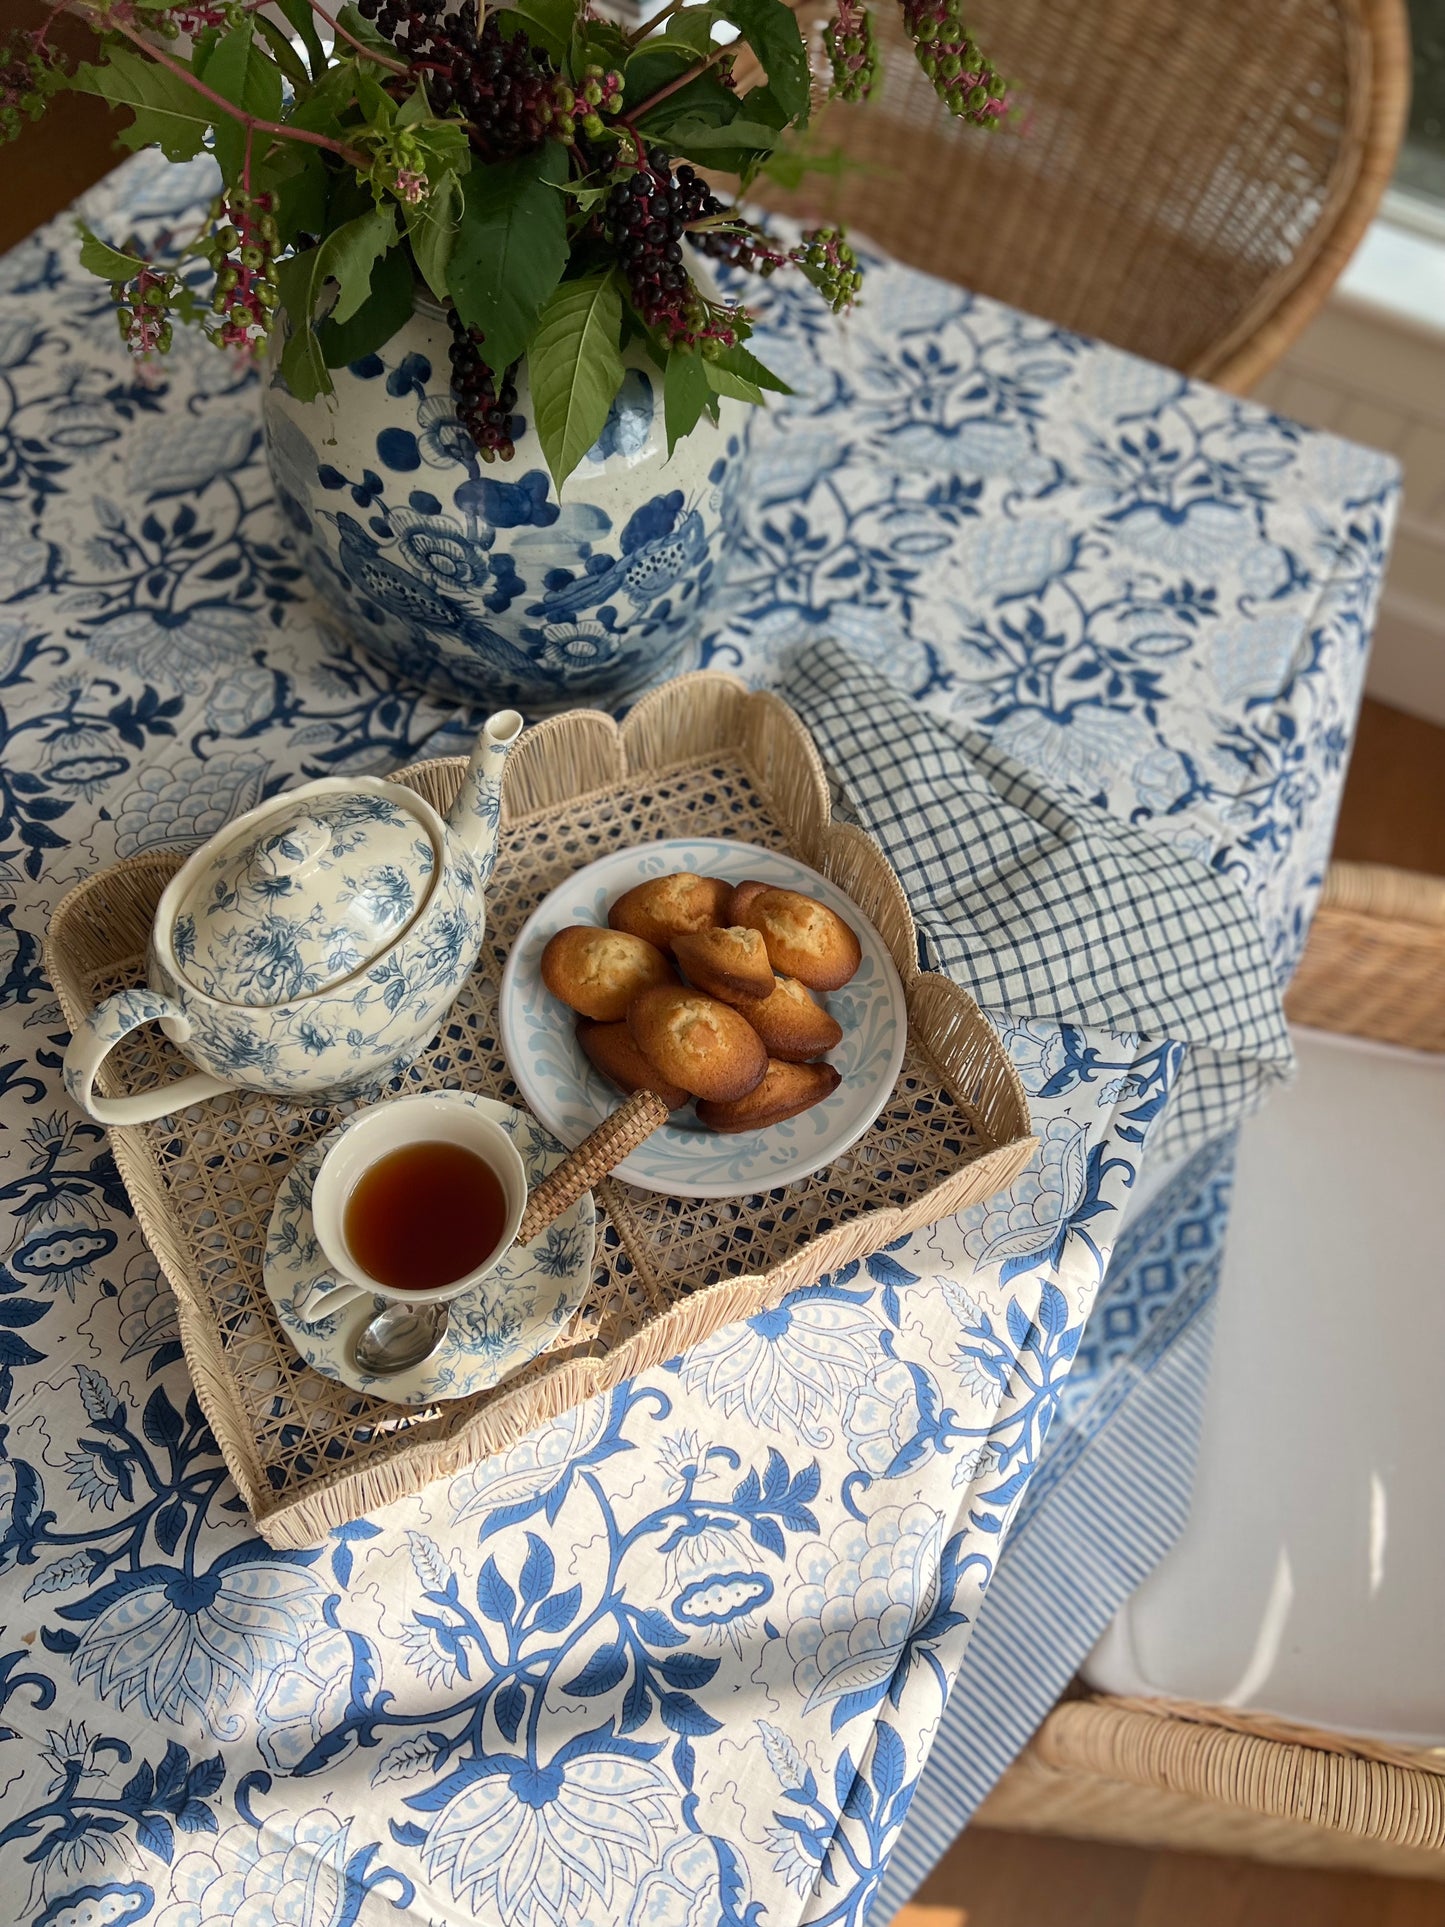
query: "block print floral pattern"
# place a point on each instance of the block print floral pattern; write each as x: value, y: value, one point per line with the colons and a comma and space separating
x: 674, y: 1658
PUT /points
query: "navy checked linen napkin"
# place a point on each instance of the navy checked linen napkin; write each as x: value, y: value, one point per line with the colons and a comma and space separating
x: 1048, y: 908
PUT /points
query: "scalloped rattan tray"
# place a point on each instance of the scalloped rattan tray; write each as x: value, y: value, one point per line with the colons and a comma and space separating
x: 698, y: 757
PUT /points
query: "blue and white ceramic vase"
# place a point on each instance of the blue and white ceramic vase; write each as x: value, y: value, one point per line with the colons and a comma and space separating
x: 473, y: 578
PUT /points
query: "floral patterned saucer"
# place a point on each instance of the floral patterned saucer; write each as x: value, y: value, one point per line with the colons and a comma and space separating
x: 683, y: 1159
x: 513, y: 1315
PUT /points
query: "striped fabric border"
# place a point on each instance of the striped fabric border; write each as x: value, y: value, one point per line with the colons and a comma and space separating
x: 1109, y: 1498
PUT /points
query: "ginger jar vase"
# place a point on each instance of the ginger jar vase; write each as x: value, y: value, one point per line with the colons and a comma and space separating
x: 474, y: 579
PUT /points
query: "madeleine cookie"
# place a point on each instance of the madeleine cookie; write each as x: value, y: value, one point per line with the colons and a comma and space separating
x: 785, y: 1090
x: 598, y: 972
x: 742, y: 896
x: 613, y: 1051
x: 805, y: 938
x: 665, y: 907
x: 791, y: 1024
x: 697, y: 1042
x: 730, y: 964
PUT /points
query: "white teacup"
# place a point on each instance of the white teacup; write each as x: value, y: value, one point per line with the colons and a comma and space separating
x: 426, y: 1117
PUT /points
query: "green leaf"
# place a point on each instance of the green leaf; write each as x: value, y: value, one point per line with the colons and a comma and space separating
x: 432, y: 227
x: 694, y: 28
x: 771, y: 30
x: 575, y: 368
x: 283, y: 53
x: 705, y: 100
x: 547, y: 23
x: 747, y: 367
x: 168, y: 114
x: 723, y: 381
x: 301, y: 186
x: 597, y: 42
x: 510, y: 249
x: 372, y: 98
x: 328, y: 100
x: 300, y: 17
x: 684, y: 394
x: 656, y: 64
x: 695, y: 133
x: 414, y: 108
x: 385, y: 309
x: 247, y: 76
x: 101, y: 259
x: 353, y: 252
x: 794, y: 161
x: 348, y: 257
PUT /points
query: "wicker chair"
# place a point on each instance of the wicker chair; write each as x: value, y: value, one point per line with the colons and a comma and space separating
x: 1191, y: 176
x: 1216, y: 1779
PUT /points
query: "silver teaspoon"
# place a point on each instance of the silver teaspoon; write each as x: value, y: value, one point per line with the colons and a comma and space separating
x: 399, y: 1337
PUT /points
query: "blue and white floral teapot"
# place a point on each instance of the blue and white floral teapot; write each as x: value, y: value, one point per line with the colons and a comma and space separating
x: 314, y: 944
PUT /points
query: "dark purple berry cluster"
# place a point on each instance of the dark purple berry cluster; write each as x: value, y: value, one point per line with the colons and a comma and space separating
x: 505, y: 90
x: 645, y: 217
x: 484, y: 408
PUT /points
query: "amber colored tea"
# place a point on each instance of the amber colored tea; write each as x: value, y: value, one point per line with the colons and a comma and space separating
x: 425, y: 1214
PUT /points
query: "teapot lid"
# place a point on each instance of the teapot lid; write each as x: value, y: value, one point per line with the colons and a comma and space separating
x: 326, y: 881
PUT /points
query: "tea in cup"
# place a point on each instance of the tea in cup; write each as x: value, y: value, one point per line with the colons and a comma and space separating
x: 416, y: 1202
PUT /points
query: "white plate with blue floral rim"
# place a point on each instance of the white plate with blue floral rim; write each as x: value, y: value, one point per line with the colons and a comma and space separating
x: 683, y: 1159
x: 515, y: 1312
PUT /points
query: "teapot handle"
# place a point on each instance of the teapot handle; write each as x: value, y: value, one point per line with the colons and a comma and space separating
x: 104, y: 1027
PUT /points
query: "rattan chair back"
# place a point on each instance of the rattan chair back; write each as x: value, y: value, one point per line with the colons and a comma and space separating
x: 1188, y: 179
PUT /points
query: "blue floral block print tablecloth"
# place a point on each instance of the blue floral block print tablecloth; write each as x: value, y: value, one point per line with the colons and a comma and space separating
x: 676, y: 1659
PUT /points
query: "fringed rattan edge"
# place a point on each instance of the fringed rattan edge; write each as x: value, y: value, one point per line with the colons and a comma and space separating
x: 704, y: 714
x: 345, y: 1494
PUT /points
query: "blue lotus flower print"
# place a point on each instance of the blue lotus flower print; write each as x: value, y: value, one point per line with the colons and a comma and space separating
x: 296, y: 1868
x: 185, y: 1644
x: 552, y: 1845
x: 783, y: 1370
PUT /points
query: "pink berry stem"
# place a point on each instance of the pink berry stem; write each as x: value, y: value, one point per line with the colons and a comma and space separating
x: 367, y: 53
x: 248, y: 121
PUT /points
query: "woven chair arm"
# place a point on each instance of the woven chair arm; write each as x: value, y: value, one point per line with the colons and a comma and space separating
x: 1374, y: 965
x: 1371, y: 1798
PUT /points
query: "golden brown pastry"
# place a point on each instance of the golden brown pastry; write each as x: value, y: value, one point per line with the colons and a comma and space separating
x: 791, y: 1025
x: 725, y: 963
x: 665, y: 907
x: 742, y: 896
x: 805, y: 938
x: 613, y: 1051
x: 785, y: 1090
x: 598, y: 972
x: 697, y: 1042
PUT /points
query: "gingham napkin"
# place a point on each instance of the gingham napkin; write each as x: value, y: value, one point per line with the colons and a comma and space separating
x: 1049, y: 908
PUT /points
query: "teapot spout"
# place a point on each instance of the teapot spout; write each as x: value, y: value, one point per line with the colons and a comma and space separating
x: 474, y: 818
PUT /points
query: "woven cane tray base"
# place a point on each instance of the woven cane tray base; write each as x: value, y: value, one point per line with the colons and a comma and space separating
x: 699, y: 757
